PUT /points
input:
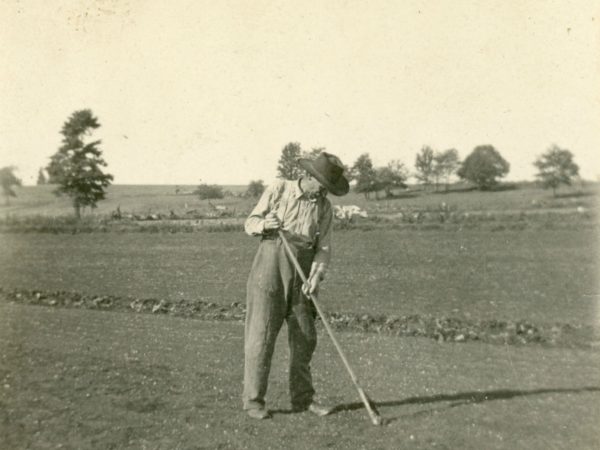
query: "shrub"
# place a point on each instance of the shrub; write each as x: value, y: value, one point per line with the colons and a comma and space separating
x: 209, y: 191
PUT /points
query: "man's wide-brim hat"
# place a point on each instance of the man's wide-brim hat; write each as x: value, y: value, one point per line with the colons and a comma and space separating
x: 328, y: 170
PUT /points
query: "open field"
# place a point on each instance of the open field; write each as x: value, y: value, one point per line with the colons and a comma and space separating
x: 541, y: 275
x: 79, y: 378
x: 85, y: 379
x: 39, y: 200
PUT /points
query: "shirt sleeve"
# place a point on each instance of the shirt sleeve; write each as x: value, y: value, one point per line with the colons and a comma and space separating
x: 323, y: 251
x: 255, y: 223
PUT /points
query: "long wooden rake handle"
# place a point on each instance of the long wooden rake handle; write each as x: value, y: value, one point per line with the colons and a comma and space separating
x: 373, y: 414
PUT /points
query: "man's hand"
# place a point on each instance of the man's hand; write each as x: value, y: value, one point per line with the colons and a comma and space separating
x: 272, y: 222
x: 312, y: 285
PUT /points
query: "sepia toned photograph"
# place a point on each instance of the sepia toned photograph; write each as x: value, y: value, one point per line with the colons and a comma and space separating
x: 300, y: 225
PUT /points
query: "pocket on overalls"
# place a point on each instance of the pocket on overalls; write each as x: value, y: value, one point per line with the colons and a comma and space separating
x: 264, y: 275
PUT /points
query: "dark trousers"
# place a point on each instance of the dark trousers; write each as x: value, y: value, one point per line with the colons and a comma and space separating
x: 274, y: 295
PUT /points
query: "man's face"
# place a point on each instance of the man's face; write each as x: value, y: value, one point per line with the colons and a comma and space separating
x: 311, y: 185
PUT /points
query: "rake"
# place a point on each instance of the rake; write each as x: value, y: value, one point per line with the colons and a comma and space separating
x: 369, y: 404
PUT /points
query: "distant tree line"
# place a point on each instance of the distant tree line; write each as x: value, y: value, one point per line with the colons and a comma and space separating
x: 77, y: 169
x: 483, y: 168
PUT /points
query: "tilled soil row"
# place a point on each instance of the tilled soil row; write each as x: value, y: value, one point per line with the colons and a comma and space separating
x: 442, y: 329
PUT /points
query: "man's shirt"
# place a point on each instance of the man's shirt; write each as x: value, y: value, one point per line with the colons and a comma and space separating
x: 306, y: 220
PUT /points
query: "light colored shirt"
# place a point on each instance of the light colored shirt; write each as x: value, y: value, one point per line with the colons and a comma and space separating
x: 306, y: 220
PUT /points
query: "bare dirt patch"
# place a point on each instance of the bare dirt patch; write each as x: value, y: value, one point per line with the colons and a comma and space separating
x: 83, y: 379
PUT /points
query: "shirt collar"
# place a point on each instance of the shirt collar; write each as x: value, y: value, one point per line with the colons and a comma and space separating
x: 298, y: 192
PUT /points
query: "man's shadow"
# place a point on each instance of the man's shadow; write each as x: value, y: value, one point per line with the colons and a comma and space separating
x: 464, y: 398
x: 458, y: 399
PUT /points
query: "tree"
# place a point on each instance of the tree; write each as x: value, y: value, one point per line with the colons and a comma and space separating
x: 424, y: 165
x: 255, y: 188
x: 8, y: 180
x: 314, y: 152
x: 556, y: 167
x: 445, y: 164
x: 365, y: 175
x: 41, y: 179
x: 483, y: 166
x: 287, y: 167
x: 392, y: 176
x: 77, y: 167
x: 209, y: 191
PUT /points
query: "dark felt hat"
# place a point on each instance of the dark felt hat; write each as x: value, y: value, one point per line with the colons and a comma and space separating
x: 328, y: 170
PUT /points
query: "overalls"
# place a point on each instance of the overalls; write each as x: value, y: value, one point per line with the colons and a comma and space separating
x: 274, y: 295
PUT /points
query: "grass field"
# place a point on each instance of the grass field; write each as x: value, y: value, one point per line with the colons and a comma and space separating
x: 84, y: 379
x: 79, y: 378
x: 39, y: 200
x: 542, y: 275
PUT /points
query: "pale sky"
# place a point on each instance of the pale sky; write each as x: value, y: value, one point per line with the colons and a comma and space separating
x: 212, y: 90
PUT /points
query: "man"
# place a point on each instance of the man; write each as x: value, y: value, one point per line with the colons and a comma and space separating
x: 275, y: 292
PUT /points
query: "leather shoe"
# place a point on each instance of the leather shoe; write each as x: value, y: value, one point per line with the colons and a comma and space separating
x: 315, y: 408
x: 259, y: 413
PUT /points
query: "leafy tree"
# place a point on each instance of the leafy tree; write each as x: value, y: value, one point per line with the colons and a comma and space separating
x: 483, y: 166
x: 424, y: 165
x: 255, y: 188
x: 8, y: 180
x: 315, y: 151
x: 287, y: 167
x: 365, y: 175
x: 77, y: 167
x: 392, y: 176
x: 209, y: 191
x: 445, y: 164
x: 556, y: 167
x: 41, y: 179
